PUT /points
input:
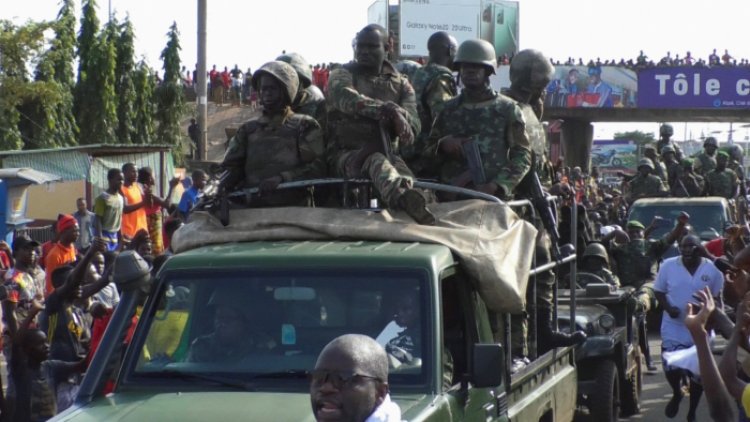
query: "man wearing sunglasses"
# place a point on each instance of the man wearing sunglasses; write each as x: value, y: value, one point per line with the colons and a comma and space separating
x: 350, y: 382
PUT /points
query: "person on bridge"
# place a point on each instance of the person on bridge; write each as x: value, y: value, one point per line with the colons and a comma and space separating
x: 705, y: 162
x: 665, y: 135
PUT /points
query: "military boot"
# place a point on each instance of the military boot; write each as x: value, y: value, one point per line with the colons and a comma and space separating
x: 548, y: 338
x: 415, y: 204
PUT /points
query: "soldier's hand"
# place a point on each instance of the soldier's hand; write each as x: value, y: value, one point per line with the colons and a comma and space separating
x: 683, y: 217
x: 270, y: 184
x: 452, y: 145
x: 402, y: 129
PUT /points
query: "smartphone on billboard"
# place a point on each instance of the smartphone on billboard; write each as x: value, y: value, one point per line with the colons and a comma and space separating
x: 506, y: 27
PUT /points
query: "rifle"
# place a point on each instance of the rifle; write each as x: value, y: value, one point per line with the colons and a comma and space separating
x: 474, y: 161
x: 533, y: 186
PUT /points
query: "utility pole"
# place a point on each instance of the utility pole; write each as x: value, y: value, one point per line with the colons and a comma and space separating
x: 201, y: 81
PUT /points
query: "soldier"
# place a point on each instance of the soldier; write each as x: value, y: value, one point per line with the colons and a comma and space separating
x: 688, y: 184
x: 636, y: 259
x: 660, y: 170
x: 705, y: 162
x: 310, y: 99
x: 278, y: 146
x: 595, y: 260
x: 645, y: 184
x: 481, y: 115
x: 433, y: 86
x: 736, y: 159
x: 665, y: 134
x: 368, y: 100
x: 668, y: 157
x: 722, y: 181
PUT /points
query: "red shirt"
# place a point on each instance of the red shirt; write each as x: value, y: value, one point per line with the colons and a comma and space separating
x: 716, y: 247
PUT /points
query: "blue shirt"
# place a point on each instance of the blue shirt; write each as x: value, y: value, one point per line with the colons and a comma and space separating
x: 188, y: 200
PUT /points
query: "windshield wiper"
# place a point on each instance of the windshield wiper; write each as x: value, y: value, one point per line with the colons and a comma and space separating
x: 224, y: 381
x: 290, y: 373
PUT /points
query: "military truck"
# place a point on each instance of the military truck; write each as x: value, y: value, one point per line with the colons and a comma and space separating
x: 708, y: 215
x: 303, y: 276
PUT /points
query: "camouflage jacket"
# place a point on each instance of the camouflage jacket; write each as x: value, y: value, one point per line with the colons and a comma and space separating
x: 288, y: 145
x: 498, y: 127
x: 660, y: 170
x: 354, y: 104
x: 688, y: 185
x: 722, y: 183
x: 310, y: 101
x: 636, y: 261
x: 433, y: 86
x: 704, y: 163
x: 644, y: 187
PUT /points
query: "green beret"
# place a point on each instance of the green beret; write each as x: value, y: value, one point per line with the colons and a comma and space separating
x: 724, y: 153
x: 687, y: 162
x: 634, y: 224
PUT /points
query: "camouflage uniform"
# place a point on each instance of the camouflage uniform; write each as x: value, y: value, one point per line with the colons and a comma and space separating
x: 636, y: 266
x: 644, y: 187
x: 688, y: 185
x: 354, y: 112
x: 704, y: 163
x: 311, y: 102
x: 498, y: 126
x: 660, y: 171
x: 288, y: 145
x: 722, y: 183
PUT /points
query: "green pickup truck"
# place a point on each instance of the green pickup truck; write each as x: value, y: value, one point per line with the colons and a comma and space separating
x: 297, y: 296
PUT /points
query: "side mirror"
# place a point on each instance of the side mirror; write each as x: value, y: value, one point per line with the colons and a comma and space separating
x: 488, y: 368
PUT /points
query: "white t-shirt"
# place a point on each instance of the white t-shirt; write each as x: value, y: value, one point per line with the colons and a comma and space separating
x: 675, y: 281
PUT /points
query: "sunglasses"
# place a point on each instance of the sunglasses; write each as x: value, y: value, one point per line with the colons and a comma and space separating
x: 337, y: 378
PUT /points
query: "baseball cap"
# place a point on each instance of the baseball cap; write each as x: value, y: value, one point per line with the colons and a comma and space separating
x: 24, y: 242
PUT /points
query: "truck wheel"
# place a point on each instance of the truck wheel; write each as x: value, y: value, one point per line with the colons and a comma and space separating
x: 631, y: 391
x: 604, y: 403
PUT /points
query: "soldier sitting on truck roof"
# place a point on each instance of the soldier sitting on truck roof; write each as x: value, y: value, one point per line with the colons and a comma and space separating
x: 278, y: 146
x: 645, y: 184
x: 371, y: 105
x: 722, y: 181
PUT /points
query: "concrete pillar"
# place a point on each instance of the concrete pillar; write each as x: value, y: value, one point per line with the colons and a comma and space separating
x: 577, y: 141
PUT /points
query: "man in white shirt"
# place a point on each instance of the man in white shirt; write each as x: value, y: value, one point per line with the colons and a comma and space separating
x: 678, y: 280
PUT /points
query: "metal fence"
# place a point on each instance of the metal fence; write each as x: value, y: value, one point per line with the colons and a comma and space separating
x: 40, y: 234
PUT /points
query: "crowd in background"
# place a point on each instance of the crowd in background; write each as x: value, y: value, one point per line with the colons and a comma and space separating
x: 643, y: 61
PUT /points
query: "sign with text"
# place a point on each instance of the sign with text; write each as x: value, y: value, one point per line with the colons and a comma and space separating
x: 692, y: 87
x: 421, y: 18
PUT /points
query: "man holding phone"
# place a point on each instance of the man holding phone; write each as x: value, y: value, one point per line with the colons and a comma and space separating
x: 678, y: 281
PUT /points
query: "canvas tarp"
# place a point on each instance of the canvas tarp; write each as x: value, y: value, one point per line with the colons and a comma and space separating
x: 494, y: 246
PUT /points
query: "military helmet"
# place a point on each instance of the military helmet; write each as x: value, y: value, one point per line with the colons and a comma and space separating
x: 667, y: 148
x: 711, y: 141
x: 666, y: 130
x: 475, y: 51
x: 645, y: 162
x: 282, y: 72
x: 300, y: 65
x: 736, y: 152
x: 530, y: 62
x: 596, y: 249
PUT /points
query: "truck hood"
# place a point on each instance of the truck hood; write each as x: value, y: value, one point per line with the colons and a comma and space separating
x: 204, y: 406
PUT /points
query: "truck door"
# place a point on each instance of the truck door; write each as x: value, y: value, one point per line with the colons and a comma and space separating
x: 460, y: 332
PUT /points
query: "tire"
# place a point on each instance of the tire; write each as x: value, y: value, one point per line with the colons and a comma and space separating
x: 631, y: 390
x: 604, y: 403
x: 616, y: 162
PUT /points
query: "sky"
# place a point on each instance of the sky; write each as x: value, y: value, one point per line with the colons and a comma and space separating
x: 251, y: 32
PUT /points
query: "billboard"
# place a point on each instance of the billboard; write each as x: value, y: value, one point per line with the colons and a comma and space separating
x: 694, y: 87
x: 614, y: 154
x: 499, y: 25
x: 421, y: 18
x: 378, y: 13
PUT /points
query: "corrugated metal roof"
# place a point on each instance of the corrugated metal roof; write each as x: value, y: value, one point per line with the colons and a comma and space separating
x: 70, y: 165
x: 95, y: 150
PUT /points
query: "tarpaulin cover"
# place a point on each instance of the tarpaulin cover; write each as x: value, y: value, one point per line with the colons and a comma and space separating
x: 494, y: 245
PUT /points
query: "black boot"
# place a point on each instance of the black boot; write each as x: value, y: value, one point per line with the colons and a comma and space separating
x: 415, y: 204
x: 548, y: 338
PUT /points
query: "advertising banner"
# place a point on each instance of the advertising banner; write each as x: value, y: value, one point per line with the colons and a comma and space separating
x: 592, y: 86
x: 694, y: 87
x: 611, y: 154
x: 499, y: 26
x: 378, y: 13
x: 421, y: 18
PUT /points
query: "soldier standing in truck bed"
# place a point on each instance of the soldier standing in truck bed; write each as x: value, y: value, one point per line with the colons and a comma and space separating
x: 365, y: 97
x: 310, y: 99
x: 277, y: 146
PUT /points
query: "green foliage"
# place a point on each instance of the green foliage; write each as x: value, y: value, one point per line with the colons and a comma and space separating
x: 124, y: 88
x: 640, y: 138
x: 170, y: 98
x: 144, y: 83
x: 87, y: 38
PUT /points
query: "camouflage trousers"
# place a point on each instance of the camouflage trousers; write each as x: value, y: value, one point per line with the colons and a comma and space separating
x: 521, y: 340
x: 389, y: 176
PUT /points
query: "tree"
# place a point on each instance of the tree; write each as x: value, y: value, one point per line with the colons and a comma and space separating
x: 170, y: 98
x: 144, y: 84
x: 56, y: 122
x: 20, y: 46
x: 641, y: 139
x: 124, y: 88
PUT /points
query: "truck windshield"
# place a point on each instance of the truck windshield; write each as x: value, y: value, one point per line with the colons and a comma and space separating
x: 707, y: 220
x: 251, y: 327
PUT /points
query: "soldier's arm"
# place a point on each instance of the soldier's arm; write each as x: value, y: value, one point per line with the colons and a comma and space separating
x: 311, y: 151
x: 235, y: 153
x: 343, y: 97
x: 519, y: 154
x: 408, y: 103
x: 438, y: 92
